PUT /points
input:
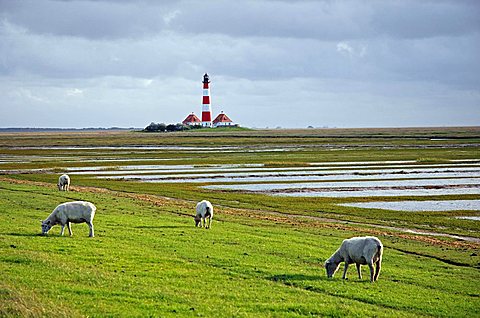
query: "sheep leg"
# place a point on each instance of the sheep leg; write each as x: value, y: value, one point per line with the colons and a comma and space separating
x: 69, y: 226
x: 377, y: 269
x: 90, y: 225
x: 345, y: 270
x: 62, y: 230
x: 359, y: 271
x: 209, y: 222
x: 370, y: 265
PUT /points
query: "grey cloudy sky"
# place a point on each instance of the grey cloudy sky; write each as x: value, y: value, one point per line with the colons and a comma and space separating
x: 272, y: 63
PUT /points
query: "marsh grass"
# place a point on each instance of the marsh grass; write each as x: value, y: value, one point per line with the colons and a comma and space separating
x: 280, y: 164
x: 150, y: 260
x: 432, y: 160
x: 263, y: 256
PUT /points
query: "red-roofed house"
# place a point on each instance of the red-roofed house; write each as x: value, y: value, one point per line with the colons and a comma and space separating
x: 222, y: 120
x: 192, y: 120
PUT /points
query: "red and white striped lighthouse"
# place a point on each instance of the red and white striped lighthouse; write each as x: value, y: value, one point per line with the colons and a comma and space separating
x: 206, y: 110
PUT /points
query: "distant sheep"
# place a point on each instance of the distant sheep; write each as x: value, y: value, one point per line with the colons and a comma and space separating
x: 63, y: 182
x: 70, y: 212
x: 366, y: 250
x: 204, y: 214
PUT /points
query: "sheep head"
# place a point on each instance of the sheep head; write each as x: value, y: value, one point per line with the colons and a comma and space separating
x: 46, y: 226
x: 198, y: 220
x: 331, y: 268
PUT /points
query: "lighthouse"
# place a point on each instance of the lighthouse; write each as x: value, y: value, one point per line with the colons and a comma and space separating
x: 206, y: 110
x: 221, y: 120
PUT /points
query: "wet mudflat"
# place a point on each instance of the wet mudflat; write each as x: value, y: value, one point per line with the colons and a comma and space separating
x: 416, y: 206
x: 382, y: 193
x: 359, y: 185
x: 293, y: 174
x: 473, y: 218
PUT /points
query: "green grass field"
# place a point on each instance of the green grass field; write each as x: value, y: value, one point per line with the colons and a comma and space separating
x: 263, y: 256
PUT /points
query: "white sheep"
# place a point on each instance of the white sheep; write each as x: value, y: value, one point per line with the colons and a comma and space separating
x: 63, y: 182
x: 204, y: 214
x: 366, y: 250
x: 70, y: 212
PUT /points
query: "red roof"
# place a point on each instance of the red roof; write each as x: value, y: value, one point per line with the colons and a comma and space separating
x: 192, y: 118
x: 222, y: 118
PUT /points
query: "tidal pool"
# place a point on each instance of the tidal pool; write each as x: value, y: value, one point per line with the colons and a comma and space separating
x: 417, y: 206
x: 136, y: 169
x: 276, y: 172
x: 381, y: 193
x: 127, y: 148
x: 473, y: 218
x: 347, y: 184
x: 294, y: 178
x: 260, y: 169
x: 226, y: 149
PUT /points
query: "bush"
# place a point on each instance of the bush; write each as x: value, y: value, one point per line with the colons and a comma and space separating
x: 153, y: 127
x: 177, y: 127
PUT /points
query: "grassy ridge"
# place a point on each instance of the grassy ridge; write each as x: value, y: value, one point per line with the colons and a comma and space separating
x: 149, y: 260
x: 218, y: 137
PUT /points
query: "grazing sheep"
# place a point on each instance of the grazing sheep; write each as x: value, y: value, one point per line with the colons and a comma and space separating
x: 366, y: 250
x: 63, y: 182
x: 204, y: 214
x: 70, y: 212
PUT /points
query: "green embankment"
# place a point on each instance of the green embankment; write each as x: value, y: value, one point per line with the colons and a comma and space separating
x: 149, y: 260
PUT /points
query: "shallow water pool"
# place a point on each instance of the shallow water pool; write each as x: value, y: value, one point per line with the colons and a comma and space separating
x: 417, y: 206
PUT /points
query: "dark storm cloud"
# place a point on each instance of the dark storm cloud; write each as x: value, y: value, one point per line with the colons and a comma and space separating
x: 332, y: 20
x: 87, y: 19
x: 323, y: 20
x: 425, y: 19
